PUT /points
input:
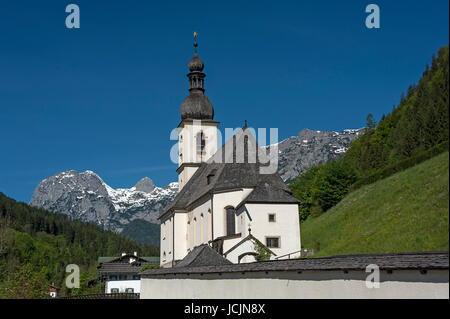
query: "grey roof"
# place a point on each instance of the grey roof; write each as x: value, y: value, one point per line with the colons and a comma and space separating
x: 112, y: 268
x: 105, y: 259
x: 266, y: 193
x: 231, y: 174
x: 197, y: 106
x: 203, y: 255
x: 392, y: 261
x: 122, y: 266
x: 126, y: 258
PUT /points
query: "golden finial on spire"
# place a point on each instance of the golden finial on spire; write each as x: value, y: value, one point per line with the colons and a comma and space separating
x: 195, y: 41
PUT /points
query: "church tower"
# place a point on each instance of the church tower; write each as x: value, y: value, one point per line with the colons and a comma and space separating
x: 197, y: 132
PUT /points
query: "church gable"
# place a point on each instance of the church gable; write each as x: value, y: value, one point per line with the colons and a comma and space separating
x: 249, y: 246
x: 241, y: 148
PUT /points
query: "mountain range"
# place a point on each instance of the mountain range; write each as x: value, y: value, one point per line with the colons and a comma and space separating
x: 297, y: 153
x: 85, y: 196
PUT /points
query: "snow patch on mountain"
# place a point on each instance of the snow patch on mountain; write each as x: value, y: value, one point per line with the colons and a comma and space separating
x: 87, y: 197
x: 297, y: 153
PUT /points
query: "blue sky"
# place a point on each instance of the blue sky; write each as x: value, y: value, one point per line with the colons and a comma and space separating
x: 106, y: 96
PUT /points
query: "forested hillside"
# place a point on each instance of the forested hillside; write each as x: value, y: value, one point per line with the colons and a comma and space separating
x: 415, y: 130
x: 142, y: 231
x: 405, y: 212
x: 36, y: 246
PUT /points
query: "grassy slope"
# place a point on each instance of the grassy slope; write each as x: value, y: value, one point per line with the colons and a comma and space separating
x: 408, y: 211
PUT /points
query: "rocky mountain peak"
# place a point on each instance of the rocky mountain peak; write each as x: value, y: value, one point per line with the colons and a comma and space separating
x: 311, y: 147
x: 87, y: 197
x: 145, y: 185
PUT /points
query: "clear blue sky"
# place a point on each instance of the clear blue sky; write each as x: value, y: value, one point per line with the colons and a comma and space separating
x: 106, y: 96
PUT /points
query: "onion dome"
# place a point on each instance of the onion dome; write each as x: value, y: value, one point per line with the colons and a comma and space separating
x: 196, y: 106
x: 196, y: 64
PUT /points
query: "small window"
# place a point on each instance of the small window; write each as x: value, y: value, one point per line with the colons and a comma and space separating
x: 136, y: 277
x: 272, y: 218
x: 122, y: 277
x: 114, y: 290
x: 129, y: 290
x: 112, y: 278
x: 273, y: 242
x: 201, y: 142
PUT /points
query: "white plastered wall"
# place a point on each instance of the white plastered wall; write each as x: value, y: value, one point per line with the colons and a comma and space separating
x: 245, y: 247
x: 286, y: 226
x: 199, y: 230
x: 293, y: 285
x: 166, y: 238
x: 188, y: 146
x: 220, y: 202
x: 122, y: 285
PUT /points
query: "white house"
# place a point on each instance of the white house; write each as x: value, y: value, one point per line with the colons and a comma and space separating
x: 121, y: 274
x: 225, y: 194
x: 53, y: 290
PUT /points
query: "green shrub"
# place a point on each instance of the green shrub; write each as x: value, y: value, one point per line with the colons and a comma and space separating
x: 150, y: 267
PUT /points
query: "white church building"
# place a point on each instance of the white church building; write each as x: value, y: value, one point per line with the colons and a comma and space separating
x: 227, y: 199
x: 233, y: 209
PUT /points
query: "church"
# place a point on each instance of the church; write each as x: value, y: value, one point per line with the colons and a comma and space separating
x: 227, y: 200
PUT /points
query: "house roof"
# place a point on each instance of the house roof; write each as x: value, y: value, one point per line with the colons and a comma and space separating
x: 230, y: 174
x: 122, y: 265
x: 121, y: 268
x: 152, y: 259
x: 203, y: 255
x: 392, y: 261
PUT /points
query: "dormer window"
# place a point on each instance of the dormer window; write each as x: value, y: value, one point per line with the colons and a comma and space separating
x: 210, y: 176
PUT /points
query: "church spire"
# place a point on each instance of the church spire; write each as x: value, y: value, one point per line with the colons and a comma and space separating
x: 196, y: 105
x: 196, y: 65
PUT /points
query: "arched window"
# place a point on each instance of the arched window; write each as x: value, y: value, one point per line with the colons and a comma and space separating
x: 201, y: 143
x: 230, y: 220
x: 209, y: 221
x: 201, y: 228
x: 188, y: 234
x: 169, y: 234
x: 195, y: 232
